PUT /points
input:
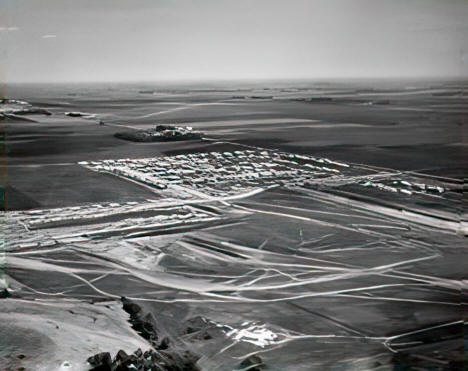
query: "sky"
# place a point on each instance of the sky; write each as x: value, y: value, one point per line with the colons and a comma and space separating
x: 165, y: 40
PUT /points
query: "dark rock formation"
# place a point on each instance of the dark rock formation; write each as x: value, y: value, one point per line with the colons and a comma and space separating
x: 100, y: 360
x: 4, y: 294
x: 144, y: 324
x: 167, y: 354
x: 151, y: 360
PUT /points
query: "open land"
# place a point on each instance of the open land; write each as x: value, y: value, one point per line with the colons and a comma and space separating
x: 313, y: 226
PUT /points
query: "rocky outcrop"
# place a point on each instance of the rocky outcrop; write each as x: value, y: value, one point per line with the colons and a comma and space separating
x: 167, y: 354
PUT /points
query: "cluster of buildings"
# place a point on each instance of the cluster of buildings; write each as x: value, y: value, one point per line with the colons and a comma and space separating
x: 404, y: 186
x: 47, y: 227
x: 221, y: 173
x: 99, y: 213
x: 229, y: 173
x: 40, y: 217
x: 212, y: 174
x: 161, y: 133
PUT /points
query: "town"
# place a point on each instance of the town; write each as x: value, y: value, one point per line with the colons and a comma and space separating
x: 221, y: 174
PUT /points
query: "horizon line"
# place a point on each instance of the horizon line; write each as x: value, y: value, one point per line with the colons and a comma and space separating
x: 240, y: 79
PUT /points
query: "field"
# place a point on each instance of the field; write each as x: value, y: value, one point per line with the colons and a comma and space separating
x: 315, y: 225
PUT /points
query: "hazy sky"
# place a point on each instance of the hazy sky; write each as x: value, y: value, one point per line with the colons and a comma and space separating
x: 115, y: 40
